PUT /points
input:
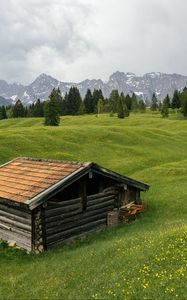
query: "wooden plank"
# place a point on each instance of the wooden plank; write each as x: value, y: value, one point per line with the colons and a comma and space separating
x: 76, y: 230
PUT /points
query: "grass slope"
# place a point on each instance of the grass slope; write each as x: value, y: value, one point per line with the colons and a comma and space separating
x: 143, y: 260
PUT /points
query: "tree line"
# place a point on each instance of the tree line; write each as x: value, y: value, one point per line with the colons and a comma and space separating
x: 93, y: 103
x: 176, y: 103
x: 72, y: 104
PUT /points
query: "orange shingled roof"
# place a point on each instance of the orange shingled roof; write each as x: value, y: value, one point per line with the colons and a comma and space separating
x: 24, y: 178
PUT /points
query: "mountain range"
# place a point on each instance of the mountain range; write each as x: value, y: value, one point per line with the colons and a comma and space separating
x: 143, y: 86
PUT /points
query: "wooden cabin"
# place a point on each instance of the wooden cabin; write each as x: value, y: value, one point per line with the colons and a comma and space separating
x: 44, y: 203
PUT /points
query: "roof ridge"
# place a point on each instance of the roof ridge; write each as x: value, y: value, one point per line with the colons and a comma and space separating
x: 53, y: 161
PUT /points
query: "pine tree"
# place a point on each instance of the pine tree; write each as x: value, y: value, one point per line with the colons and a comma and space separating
x: 99, y: 107
x: 176, y: 103
x: 154, y: 102
x: 82, y: 108
x: 18, y: 110
x: 51, y: 111
x: 128, y: 101
x: 126, y: 110
x: 38, y: 110
x: 97, y: 95
x: 3, y: 112
x: 183, y: 99
x: 120, y: 109
x: 125, y: 107
x: 167, y: 100
x: 89, y: 102
x: 113, y: 101
x: 141, y: 106
x: 64, y: 104
x: 184, y: 107
x: 73, y: 101
x: 165, y: 108
x: 134, y: 103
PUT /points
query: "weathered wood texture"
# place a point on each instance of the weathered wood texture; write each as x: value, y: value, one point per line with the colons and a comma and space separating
x: 15, y: 226
x: 68, y: 219
x: 38, y: 230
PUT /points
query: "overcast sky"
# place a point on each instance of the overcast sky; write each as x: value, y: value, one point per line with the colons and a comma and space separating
x: 77, y: 39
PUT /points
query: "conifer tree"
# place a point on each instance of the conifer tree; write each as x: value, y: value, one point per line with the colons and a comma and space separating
x: 184, y: 107
x: 99, y: 107
x: 154, y: 102
x: 128, y: 101
x: 126, y: 110
x: 38, y: 109
x: 183, y: 99
x: 134, y: 103
x: 89, y: 102
x: 73, y: 101
x: 167, y: 100
x: 165, y: 108
x: 82, y: 108
x: 18, y: 110
x: 97, y: 95
x: 114, y: 100
x: 141, y: 106
x: 3, y: 112
x: 176, y: 103
x: 51, y: 111
x: 64, y: 104
x: 120, y: 109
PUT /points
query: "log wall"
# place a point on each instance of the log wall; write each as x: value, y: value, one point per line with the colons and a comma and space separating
x: 15, y: 226
x: 69, y: 219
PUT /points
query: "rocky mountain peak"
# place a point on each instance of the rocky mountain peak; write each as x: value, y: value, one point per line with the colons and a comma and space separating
x: 128, y: 83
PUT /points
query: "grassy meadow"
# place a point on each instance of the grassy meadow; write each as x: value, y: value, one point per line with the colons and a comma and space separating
x: 145, y: 259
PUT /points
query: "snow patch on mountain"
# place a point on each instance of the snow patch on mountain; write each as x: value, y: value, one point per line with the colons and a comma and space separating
x: 143, y: 86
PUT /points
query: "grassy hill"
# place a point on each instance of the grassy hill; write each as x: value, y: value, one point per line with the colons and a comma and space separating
x: 142, y: 260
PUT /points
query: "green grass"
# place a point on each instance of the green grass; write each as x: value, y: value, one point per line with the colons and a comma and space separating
x: 142, y: 260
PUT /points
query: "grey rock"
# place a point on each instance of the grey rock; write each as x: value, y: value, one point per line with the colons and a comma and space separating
x: 143, y: 86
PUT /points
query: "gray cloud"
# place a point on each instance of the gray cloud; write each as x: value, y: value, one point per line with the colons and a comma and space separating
x: 75, y: 39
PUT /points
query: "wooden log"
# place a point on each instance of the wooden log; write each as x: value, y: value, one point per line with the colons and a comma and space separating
x: 84, y: 220
x: 67, y: 240
x: 13, y: 223
x: 61, y: 210
x: 19, y: 239
x: 99, y: 195
x: 63, y: 203
x: 15, y: 217
x: 5, y: 227
x: 24, y: 233
x: 63, y: 219
x: 75, y: 231
x: 100, y: 205
x: 100, y: 200
x: 15, y: 211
